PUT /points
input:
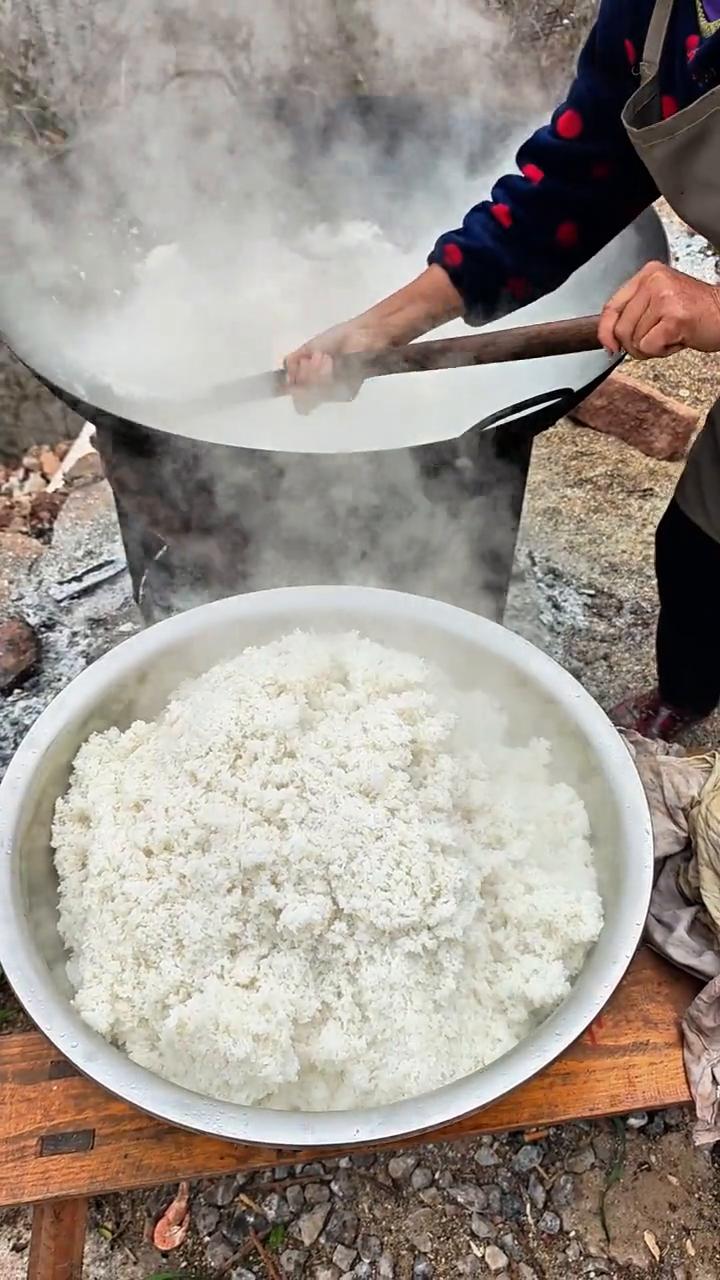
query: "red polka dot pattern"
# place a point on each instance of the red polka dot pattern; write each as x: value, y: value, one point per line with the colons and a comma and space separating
x: 601, y: 170
x: 668, y: 106
x: 630, y: 52
x: 502, y: 213
x: 692, y: 44
x: 569, y: 124
x: 452, y: 255
x: 518, y: 288
x: 532, y: 173
x: 567, y: 235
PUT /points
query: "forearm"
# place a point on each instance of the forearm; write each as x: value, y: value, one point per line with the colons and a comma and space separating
x: 427, y: 302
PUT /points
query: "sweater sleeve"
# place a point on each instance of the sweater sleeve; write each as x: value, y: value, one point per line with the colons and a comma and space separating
x: 580, y: 182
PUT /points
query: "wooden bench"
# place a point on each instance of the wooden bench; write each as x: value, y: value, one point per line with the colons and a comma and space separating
x: 64, y: 1139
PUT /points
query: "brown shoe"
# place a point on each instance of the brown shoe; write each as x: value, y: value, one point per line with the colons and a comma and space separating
x: 648, y: 715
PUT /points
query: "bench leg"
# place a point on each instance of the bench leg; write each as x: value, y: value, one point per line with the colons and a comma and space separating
x: 58, y: 1240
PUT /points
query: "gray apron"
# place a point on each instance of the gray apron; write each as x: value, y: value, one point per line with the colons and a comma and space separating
x: 683, y: 156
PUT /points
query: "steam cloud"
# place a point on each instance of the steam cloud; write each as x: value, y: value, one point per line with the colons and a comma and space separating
x: 179, y: 235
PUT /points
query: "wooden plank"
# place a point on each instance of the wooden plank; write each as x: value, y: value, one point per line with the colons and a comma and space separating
x: 61, y: 1135
x: 58, y: 1240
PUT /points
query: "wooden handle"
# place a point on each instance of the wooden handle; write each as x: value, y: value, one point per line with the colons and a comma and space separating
x: 532, y: 342
x: 555, y: 338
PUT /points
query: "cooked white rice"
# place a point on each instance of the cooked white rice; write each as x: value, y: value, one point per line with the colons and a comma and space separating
x: 321, y: 880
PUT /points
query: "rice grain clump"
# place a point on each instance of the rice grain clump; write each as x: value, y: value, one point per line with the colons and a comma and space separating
x: 320, y: 880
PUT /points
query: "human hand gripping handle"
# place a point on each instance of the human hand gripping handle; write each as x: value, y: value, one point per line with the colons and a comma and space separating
x: 422, y: 305
x: 659, y: 312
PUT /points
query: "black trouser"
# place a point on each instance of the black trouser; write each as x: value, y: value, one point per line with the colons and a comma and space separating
x: 687, y: 563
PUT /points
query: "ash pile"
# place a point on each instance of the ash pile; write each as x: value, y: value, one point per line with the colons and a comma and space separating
x: 65, y: 591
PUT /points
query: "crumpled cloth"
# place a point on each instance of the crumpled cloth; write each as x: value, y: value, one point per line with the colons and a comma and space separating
x: 684, y: 921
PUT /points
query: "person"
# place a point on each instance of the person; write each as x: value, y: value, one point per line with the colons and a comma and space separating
x: 641, y: 119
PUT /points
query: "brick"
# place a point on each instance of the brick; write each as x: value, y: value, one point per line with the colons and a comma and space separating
x: 19, y: 651
x: 651, y: 422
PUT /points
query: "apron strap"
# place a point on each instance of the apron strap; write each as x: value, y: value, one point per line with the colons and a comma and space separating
x: 655, y: 40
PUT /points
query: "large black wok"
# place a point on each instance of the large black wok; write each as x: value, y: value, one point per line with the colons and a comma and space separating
x: 218, y: 504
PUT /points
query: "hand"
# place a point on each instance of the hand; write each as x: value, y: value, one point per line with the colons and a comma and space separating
x: 425, y: 303
x: 310, y: 370
x: 659, y: 312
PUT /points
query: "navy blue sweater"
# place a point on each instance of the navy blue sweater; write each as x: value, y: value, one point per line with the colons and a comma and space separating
x: 580, y: 181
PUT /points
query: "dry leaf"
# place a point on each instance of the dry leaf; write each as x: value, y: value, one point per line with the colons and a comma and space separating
x: 652, y: 1245
x: 690, y: 1248
x: 172, y: 1228
x: 479, y: 1253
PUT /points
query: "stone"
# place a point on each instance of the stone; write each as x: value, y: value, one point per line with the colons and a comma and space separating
x: 419, y: 1220
x: 495, y: 1259
x: 317, y: 1193
x: 445, y: 1179
x: 421, y: 1179
x: 675, y: 1117
x: 641, y: 416
x: 310, y: 1225
x: 423, y: 1269
x: 527, y: 1158
x: 277, y: 1209
x: 510, y: 1246
x: 19, y: 652
x: 537, y: 1192
x: 245, y: 1220
x: 324, y: 1273
x: 205, y: 1219
x: 512, y: 1207
x: 581, y: 1161
x: 486, y: 1158
x: 469, y: 1196
x: 422, y: 1241
x: 386, y: 1267
x: 470, y: 1267
x: 363, y: 1162
x: 344, y: 1258
x: 343, y: 1184
x: 363, y: 1271
x: 573, y: 1253
x: 431, y: 1197
x: 292, y: 1263
x: 18, y: 554
x: 342, y: 1228
x: 656, y: 1127
x: 481, y: 1228
x: 494, y: 1200
x: 49, y: 463
x: 526, y: 1273
x: 562, y: 1193
x: 295, y: 1197
x: 242, y: 1273
x: 550, y: 1224
x: 401, y: 1168
x: 369, y: 1247
x: 89, y: 467
x: 35, y: 484
x: 223, y: 1192
x: 638, y: 1120
x: 315, y: 1170
x: 219, y: 1251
